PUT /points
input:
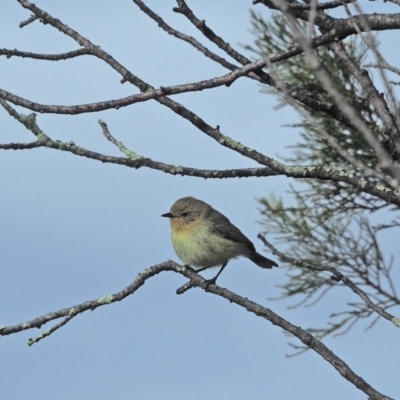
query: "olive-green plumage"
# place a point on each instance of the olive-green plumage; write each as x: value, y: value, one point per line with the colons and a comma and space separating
x: 203, y: 237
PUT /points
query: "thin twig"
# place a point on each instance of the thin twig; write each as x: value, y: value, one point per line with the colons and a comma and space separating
x: 338, y: 276
x: 28, y: 21
x: 48, y: 57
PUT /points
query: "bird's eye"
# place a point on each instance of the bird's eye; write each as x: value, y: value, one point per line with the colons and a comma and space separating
x: 185, y: 214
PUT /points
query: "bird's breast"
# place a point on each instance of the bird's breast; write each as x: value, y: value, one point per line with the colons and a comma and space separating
x: 197, y: 246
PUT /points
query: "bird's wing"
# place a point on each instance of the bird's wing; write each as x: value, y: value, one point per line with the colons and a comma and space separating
x: 223, y: 227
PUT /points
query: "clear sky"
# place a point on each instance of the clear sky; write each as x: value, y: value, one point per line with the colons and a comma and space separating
x: 73, y: 229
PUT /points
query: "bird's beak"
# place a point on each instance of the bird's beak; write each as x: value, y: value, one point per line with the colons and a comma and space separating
x: 168, y: 215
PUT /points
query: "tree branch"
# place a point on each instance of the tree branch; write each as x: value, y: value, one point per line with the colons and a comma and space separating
x: 337, y: 276
x: 48, y: 57
x: 324, y: 78
x: 188, y: 39
x: 226, y: 141
x: 274, y: 168
x: 296, y: 6
x: 304, y: 96
x: 198, y: 281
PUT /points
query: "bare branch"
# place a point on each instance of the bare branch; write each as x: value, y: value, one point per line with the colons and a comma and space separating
x: 49, y: 57
x: 28, y: 21
x: 385, y: 65
x: 390, y: 22
x: 201, y: 25
x: 306, y: 7
x: 307, y: 339
x: 197, y: 45
x: 337, y: 276
x: 300, y: 94
x: 274, y: 168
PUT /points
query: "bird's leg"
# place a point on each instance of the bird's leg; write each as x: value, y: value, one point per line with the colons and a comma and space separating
x: 209, y: 282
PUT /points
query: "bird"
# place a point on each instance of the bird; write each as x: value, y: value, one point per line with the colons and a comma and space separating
x: 204, y: 238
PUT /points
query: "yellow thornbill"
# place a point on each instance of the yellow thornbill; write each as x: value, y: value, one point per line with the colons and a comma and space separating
x: 204, y: 238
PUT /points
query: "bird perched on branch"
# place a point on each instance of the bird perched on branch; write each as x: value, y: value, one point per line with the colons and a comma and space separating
x: 204, y: 238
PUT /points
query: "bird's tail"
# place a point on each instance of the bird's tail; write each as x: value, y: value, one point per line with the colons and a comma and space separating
x: 262, y: 261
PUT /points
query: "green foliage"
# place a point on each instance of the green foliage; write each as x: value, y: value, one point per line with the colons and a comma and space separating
x: 328, y: 223
x: 274, y: 36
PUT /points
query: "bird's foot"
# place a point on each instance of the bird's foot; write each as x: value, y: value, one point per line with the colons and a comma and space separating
x: 206, y: 284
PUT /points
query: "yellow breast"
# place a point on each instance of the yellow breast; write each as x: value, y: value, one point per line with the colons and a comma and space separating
x: 197, y: 246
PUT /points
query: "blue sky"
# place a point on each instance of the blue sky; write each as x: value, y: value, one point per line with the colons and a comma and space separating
x: 73, y: 229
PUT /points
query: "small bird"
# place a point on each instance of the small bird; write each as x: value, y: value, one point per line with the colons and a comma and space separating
x: 204, y: 238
